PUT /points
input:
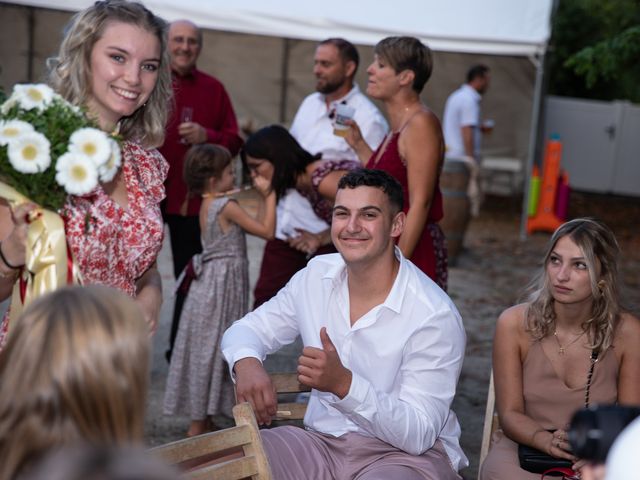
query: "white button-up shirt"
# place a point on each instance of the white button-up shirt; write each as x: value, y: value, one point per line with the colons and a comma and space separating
x: 405, y: 354
x: 312, y: 126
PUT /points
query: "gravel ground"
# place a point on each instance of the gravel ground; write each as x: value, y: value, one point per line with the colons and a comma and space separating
x: 490, y: 275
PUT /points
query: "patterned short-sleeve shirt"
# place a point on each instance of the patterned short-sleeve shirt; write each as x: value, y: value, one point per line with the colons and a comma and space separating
x: 113, y: 245
x: 322, y: 207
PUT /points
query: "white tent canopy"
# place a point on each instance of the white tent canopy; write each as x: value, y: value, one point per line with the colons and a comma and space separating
x: 498, y: 27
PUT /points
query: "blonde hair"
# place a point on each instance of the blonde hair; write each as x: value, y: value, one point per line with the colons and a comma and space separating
x: 90, y: 462
x: 70, y: 74
x: 600, y: 249
x: 74, y: 369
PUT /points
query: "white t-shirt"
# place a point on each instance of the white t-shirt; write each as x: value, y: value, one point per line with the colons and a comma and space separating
x: 462, y: 110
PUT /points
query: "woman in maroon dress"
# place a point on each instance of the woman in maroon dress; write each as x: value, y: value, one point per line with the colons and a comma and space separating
x: 413, y: 151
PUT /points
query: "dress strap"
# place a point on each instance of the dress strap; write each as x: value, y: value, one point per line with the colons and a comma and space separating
x: 382, y: 148
x: 391, y: 134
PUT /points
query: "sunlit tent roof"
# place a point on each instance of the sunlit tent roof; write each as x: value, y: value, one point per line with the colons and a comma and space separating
x: 500, y: 27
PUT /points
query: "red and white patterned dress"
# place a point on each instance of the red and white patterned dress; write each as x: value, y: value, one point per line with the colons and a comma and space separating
x: 113, y: 245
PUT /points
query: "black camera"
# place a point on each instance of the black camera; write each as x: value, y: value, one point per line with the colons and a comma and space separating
x: 594, y: 429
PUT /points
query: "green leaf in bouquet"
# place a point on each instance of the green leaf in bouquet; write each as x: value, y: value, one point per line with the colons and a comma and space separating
x: 57, y: 122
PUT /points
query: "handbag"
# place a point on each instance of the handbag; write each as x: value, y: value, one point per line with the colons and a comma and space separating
x: 535, y: 461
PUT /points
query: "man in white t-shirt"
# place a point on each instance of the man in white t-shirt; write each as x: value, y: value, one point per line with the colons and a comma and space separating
x: 462, y: 123
x: 300, y: 234
x: 383, y: 349
x: 462, y: 126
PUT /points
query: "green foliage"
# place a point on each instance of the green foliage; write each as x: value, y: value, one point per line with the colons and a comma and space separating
x: 593, y: 49
x: 57, y: 122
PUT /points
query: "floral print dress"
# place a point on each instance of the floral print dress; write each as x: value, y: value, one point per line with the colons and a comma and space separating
x: 113, y: 245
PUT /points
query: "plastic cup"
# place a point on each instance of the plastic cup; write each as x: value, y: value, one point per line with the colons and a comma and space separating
x: 487, y: 126
x: 344, y: 113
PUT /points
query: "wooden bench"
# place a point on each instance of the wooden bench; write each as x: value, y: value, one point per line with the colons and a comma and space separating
x: 287, y: 386
x: 230, y: 454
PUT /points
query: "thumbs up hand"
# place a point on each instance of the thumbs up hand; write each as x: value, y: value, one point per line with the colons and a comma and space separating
x: 322, y: 369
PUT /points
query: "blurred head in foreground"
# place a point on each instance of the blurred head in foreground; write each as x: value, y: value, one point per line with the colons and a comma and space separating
x: 101, y: 463
x: 74, y: 370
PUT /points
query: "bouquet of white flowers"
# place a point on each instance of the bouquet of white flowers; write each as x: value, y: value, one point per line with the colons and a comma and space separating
x: 48, y: 150
x: 48, y: 147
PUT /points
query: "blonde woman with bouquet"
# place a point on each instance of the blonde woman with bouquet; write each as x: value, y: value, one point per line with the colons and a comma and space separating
x: 113, y: 63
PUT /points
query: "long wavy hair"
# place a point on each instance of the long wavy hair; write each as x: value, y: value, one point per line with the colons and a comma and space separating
x: 275, y: 144
x: 600, y: 249
x: 74, y: 370
x: 70, y: 72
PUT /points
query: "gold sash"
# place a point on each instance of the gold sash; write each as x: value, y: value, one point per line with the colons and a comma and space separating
x: 47, y: 261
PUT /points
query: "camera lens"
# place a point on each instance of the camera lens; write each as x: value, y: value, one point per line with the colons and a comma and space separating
x: 593, y: 430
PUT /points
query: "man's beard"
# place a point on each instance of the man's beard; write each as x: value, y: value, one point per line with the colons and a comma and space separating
x: 329, y: 87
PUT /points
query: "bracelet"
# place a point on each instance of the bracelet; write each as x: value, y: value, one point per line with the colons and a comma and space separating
x: 4, y: 259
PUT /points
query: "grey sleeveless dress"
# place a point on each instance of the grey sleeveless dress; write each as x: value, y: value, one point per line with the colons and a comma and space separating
x: 198, y: 383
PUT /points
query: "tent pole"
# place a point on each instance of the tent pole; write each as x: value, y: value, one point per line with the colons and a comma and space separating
x: 533, y: 142
x: 284, y: 80
x: 31, y: 23
x: 535, y: 131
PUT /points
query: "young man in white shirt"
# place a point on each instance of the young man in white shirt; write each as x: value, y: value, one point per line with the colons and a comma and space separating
x: 383, y: 349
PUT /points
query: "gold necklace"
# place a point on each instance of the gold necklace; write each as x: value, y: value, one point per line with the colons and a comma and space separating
x: 561, y: 348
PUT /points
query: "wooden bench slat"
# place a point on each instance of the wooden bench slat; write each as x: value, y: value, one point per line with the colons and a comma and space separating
x: 231, y: 470
x: 288, y: 383
x: 194, y: 447
x: 291, y: 411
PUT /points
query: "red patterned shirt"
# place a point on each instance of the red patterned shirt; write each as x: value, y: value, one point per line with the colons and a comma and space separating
x: 113, y: 245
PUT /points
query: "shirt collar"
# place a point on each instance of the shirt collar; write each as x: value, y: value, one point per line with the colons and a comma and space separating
x: 355, y: 90
x: 476, y: 95
x: 397, y: 295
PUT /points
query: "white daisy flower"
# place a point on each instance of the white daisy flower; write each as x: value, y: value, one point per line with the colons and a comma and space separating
x: 76, y: 173
x: 29, y: 153
x: 92, y: 143
x: 12, y: 129
x: 109, y: 169
x: 9, y: 104
x: 33, y: 95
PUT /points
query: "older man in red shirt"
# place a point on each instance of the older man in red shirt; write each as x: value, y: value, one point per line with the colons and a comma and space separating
x: 202, y: 113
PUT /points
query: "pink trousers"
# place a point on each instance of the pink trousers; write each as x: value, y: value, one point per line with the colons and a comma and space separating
x: 298, y: 454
